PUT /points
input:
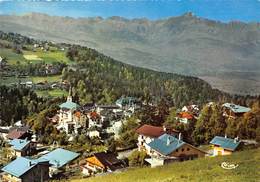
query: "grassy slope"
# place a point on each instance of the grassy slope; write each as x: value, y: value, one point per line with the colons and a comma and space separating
x: 48, y: 57
x: 12, y: 57
x: 52, y: 93
x: 198, y: 170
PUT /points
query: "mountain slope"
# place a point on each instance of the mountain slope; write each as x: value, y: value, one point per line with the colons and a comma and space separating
x: 207, y: 169
x: 185, y: 44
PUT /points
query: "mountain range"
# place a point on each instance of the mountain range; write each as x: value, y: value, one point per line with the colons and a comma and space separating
x: 227, y: 55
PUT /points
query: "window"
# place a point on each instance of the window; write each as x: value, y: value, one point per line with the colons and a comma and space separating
x: 182, y: 150
x: 176, y: 150
x: 188, y: 149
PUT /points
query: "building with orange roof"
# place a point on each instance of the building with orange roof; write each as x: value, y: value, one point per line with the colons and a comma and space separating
x: 184, y: 117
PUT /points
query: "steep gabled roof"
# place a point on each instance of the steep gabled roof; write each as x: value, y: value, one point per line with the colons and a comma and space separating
x: 166, y: 144
x: 185, y: 115
x: 109, y: 160
x: 226, y: 143
x: 16, y: 134
x: 151, y: 131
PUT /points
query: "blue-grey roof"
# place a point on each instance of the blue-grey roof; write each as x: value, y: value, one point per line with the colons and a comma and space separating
x: 126, y: 100
x: 226, y: 143
x: 69, y: 105
x: 236, y: 108
x: 160, y: 144
x: 59, y: 157
x: 19, y: 166
x: 19, y: 144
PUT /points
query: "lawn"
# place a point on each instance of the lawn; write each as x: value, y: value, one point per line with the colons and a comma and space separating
x: 32, y: 57
x: 12, y: 58
x: 49, y: 56
x: 37, y: 79
x: 200, y: 170
x: 51, y: 93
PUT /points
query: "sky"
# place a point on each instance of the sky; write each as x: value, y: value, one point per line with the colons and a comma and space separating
x: 221, y: 10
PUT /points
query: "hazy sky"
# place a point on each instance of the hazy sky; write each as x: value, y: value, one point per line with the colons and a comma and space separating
x: 223, y: 10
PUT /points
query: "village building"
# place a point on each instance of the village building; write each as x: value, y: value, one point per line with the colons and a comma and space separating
x: 113, y: 108
x: 20, y: 148
x: 19, y: 133
x: 3, y: 62
x: 70, y: 118
x: 168, y: 148
x: 4, y: 132
x: 233, y: 110
x: 59, y: 159
x: 26, y: 170
x: 148, y: 133
x: 192, y: 109
x: 128, y: 103
x: 184, y: 117
x: 102, y: 162
x: 94, y: 120
x: 94, y: 132
x: 224, y: 145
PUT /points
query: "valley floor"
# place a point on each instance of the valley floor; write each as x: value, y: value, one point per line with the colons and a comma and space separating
x: 236, y: 84
x: 199, y: 170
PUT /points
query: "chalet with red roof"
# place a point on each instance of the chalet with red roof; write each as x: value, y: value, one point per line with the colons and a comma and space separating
x: 148, y: 133
x: 184, y: 117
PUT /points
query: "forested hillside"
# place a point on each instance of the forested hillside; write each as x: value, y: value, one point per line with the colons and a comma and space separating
x: 97, y: 78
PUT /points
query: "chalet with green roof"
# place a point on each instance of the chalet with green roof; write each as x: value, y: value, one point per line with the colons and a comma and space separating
x: 233, y: 110
x: 127, y: 102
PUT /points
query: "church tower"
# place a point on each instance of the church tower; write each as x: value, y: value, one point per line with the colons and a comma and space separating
x: 69, y: 98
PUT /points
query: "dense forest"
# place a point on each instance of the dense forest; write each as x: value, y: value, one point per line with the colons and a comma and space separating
x: 98, y: 78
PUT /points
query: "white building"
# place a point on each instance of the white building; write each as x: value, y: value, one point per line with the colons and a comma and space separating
x: 67, y: 121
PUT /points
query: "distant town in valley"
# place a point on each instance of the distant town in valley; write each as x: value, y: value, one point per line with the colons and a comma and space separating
x: 123, y: 104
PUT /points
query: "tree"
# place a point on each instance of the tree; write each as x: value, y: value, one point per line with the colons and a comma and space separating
x: 137, y: 158
x: 171, y: 119
x: 127, y: 134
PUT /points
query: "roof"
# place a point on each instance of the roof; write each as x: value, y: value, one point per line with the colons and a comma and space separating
x: 226, y: 143
x: 20, y: 166
x: 108, y: 106
x: 126, y: 100
x: 109, y: 160
x: 69, y: 105
x: 19, y: 144
x: 160, y: 144
x: 236, y: 108
x: 59, y: 157
x: 15, y: 134
x: 151, y: 131
x: 185, y: 115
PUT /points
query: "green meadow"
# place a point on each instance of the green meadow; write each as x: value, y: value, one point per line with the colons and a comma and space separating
x: 32, y: 57
x: 47, y: 57
x: 200, y: 170
x: 12, y: 58
x: 51, y: 93
x: 37, y: 79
